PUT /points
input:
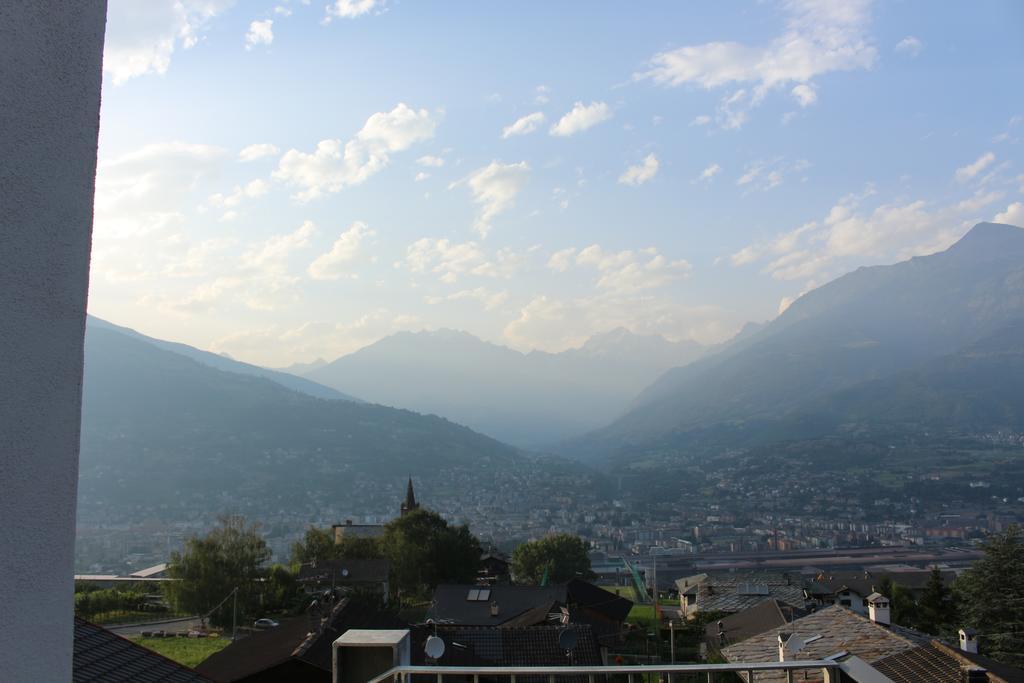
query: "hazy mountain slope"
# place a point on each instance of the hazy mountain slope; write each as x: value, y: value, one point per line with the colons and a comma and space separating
x: 160, y: 430
x: 867, y: 325
x: 214, y: 360
x: 525, y: 399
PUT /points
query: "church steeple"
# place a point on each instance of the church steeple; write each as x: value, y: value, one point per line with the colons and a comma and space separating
x: 410, y: 503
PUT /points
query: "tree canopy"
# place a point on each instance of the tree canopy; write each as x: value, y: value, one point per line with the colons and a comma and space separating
x: 318, y: 545
x: 563, y: 556
x: 424, y: 550
x: 991, y: 597
x: 231, y: 556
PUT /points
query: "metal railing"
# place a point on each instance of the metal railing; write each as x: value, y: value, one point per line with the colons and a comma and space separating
x: 828, y: 669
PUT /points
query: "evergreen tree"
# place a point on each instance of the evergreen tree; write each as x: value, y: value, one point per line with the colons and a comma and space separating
x: 936, y: 611
x: 991, y: 597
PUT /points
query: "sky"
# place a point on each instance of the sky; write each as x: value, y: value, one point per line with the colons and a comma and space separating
x: 284, y: 181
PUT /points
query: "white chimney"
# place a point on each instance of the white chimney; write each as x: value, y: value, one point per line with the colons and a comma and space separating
x: 878, y: 609
x: 969, y: 640
x: 789, y: 645
x: 495, y: 610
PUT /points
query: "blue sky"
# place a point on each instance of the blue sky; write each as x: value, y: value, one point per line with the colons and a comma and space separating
x: 286, y: 180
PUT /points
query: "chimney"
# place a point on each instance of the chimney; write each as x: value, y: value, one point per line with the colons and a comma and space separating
x: 494, y: 609
x: 878, y: 609
x: 348, y: 522
x: 969, y: 640
x: 973, y: 674
x: 789, y: 645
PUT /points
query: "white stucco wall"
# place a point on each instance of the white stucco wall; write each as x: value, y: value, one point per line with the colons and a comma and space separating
x: 50, y: 70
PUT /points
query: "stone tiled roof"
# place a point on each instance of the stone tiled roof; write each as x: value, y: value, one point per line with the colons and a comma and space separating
x: 765, y: 616
x: 102, y: 656
x: 839, y: 630
x: 731, y: 592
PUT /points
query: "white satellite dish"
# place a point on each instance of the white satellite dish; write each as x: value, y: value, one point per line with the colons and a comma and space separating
x: 344, y: 572
x: 434, y: 647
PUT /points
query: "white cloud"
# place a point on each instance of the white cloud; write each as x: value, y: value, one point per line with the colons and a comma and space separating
x: 910, y: 45
x: 450, y: 260
x: 523, y: 126
x: 701, y: 120
x: 141, y: 36
x: 640, y: 173
x: 553, y: 325
x: 495, y: 188
x: 805, y: 95
x: 351, y: 9
x: 766, y: 175
x: 421, y: 176
x: 581, y: 117
x: 709, y: 172
x: 561, y: 260
x: 430, y: 161
x: 257, y: 151
x: 334, y: 166
x: 260, y: 33
x: 1014, y: 215
x: 148, y: 187
x: 251, y: 190
x: 968, y: 172
x: 631, y: 271
x: 333, y: 264
x: 820, y: 38
x: 273, y: 252
x: 488, y: 299
x: 542, y: 92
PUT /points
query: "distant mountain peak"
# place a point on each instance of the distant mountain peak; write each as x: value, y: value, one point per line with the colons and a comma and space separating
x: 990, y: 239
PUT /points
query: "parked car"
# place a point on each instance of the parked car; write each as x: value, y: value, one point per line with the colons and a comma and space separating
x: 265, y: 623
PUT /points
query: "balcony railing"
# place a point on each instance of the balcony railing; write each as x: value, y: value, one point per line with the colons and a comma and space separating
x: 829, y: 671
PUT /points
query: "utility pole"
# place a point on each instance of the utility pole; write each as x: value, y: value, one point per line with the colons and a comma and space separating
x: 234, y: 614
x: 672, y: 639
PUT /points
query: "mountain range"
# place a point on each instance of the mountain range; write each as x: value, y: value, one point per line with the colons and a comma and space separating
x: 172, y: 431
x: 530, y: 400
x: 932, y: 343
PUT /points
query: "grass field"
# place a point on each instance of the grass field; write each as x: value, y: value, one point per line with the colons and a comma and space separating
x: 187, y: 651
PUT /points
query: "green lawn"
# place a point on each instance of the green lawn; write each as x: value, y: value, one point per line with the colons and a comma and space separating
x: 187, y: 651
x: 642, y: 616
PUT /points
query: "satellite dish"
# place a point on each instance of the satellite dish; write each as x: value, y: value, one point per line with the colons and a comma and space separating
x: 344, y: 572
x: 434, y: 647
x: 567, y: 639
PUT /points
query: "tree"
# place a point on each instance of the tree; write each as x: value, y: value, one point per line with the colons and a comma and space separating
x: 424, y: 551
x: 936, y: 611
x: 318, y: 545
x: 563, y: 556
x: 903, y: 608
x: 991, y: 597
x: 231, y: 556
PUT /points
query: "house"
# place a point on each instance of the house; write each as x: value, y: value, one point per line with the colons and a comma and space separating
x: 494, y: 567
x: 735, y: 592
x: 576, y: 602
x: 298, y: 649
x: 824, y: 634
x: 937, y: 662
x: 488, y: 646
x: 350, y: 530
x: 847, y: 589
x: 735, y: 628
x: 101, y: 656
x: 345, y: 574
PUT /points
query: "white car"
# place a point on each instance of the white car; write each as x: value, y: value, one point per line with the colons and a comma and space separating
x: 265, y: 623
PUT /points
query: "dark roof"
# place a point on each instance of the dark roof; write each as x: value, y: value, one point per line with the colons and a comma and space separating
x: 764, y: 616
x: 937, y: 662
x: 257, y: 652
x: 296, y: 638
x: 450, y: 603
x: 345, y: 571
x: 531, y: 646
x: 106, y: 657
x: 608, y: 604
